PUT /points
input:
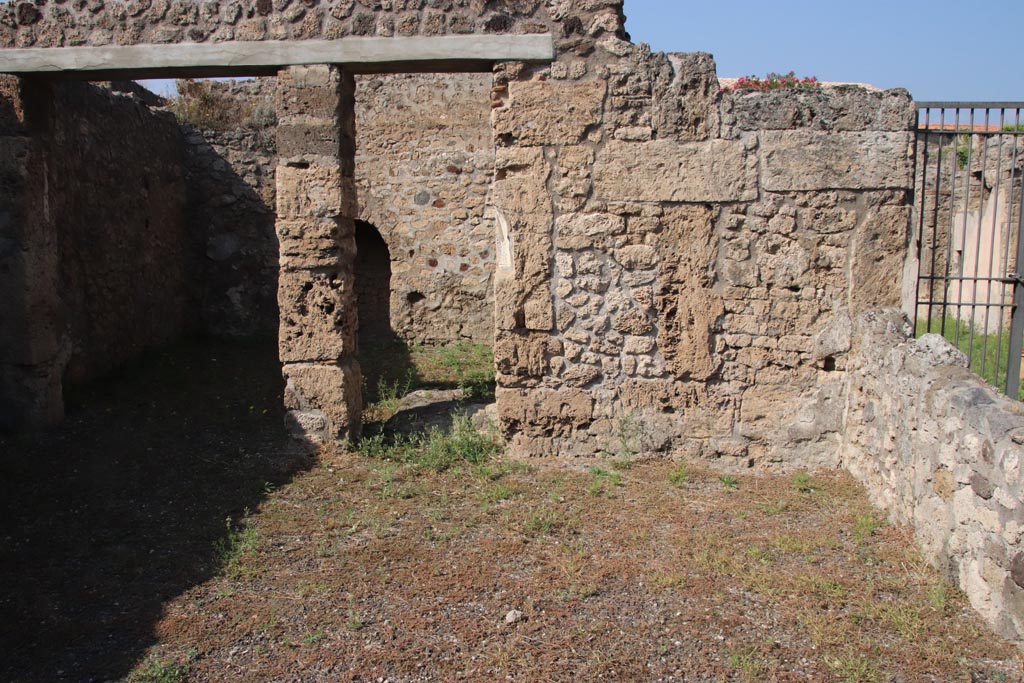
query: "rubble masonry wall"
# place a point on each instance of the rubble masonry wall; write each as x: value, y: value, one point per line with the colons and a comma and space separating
x: 678, y: 267
x: 942, y: 451
x: 93, y: 257
x: 424, y: 163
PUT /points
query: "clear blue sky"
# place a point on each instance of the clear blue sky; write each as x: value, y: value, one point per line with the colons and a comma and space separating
x: 938, y: 50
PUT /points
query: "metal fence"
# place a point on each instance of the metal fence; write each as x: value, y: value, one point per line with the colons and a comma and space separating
x: 968, y: 197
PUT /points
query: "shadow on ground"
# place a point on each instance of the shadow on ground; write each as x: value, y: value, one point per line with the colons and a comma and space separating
x: 117, y: 510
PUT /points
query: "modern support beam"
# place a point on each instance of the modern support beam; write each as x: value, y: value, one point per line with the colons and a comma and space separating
x: 359, y: 54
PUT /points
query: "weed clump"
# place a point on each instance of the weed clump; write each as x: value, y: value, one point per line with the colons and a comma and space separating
x: 438, y: 449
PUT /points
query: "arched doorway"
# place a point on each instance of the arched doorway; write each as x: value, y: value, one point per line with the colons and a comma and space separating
x: 372, y: 284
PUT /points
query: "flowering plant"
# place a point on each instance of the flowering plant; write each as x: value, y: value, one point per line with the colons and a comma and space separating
x: 774, y: 81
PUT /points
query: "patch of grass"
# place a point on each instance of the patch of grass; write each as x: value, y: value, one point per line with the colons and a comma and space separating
x: 802, y: 483
x: 680, y: 475
x: 748, y: 663
x: 938, y: 596
x: 354, y: 621
x: 865, y: 526
x: 156, y: 670
x: 791, y: 544
x: 438, y: 450
x: 543, y: 522
x: 905, y: 619
x: 235, y: 546
x: 666, y: 580
x: 496, y: 494
x: 729, y: 481
x: 759, y: 555
x: 603, y: 479
x: 773, y: 508
x: 465, y: 365
x: 854, y: 669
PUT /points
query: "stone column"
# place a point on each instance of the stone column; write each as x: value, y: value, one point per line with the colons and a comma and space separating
x: 316, y: 207
x: 32, y: 347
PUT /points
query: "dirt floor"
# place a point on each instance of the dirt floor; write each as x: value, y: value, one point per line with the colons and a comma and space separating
x: 169, y: 532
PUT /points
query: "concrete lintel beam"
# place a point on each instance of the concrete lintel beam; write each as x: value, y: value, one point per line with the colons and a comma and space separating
x: 358, y: 54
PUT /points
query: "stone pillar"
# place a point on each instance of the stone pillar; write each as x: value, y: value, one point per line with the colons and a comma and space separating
x: 32, y: 351
x: 316, y: 207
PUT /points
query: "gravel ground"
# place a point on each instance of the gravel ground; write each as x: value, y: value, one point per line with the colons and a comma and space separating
x: 168, y: 531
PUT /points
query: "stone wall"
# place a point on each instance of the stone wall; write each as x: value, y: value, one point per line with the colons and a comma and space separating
x: 424, y: 162
x: 678, y: 266
x: 230, y: 160
x: 31, y: 355
x: 25, y: 23
x: 942, y: 451
x: 95, y: 263
x: 119, y: 215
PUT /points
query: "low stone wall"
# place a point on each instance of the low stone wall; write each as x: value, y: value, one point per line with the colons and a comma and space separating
x: 942, y: 451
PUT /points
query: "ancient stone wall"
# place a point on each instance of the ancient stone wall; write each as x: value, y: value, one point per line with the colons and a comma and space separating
x: 230, y: 160
x: 31, y: 355
x: 677, y: 265
x: 942, y: 451
x: 424, y: 163
x: 24, y: 23
x: 95, y: 264
x: 119, y: 215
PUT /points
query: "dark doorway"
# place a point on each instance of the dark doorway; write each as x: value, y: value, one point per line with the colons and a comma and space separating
x: 372, y: 284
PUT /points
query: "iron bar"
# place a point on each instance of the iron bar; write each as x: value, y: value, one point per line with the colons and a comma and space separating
x: 974, y: 297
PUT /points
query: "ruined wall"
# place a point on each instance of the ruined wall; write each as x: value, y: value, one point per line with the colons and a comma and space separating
x: 117, y: 197
x: 95, y: 265
x: 24, y: 23
x: 230, y: 159
x: 424, y: 163
x: 31, y: 357
x: 942, y: 451
x: 677, y: 265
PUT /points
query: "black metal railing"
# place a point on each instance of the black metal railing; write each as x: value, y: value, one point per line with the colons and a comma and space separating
x: 969, y: 219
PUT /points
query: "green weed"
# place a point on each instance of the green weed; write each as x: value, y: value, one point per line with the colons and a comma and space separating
x: 865, y: 526
x: 235, y: 546
x: 729, y: 481
x: 438, y: 450
x: 854, y: 669
x: 802, y: 483
x: 160, y: 671
x: 313, y: 637
x: 680, y: 475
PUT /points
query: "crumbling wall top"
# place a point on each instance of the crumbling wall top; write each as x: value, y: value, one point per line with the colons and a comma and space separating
x: 132, y: 22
